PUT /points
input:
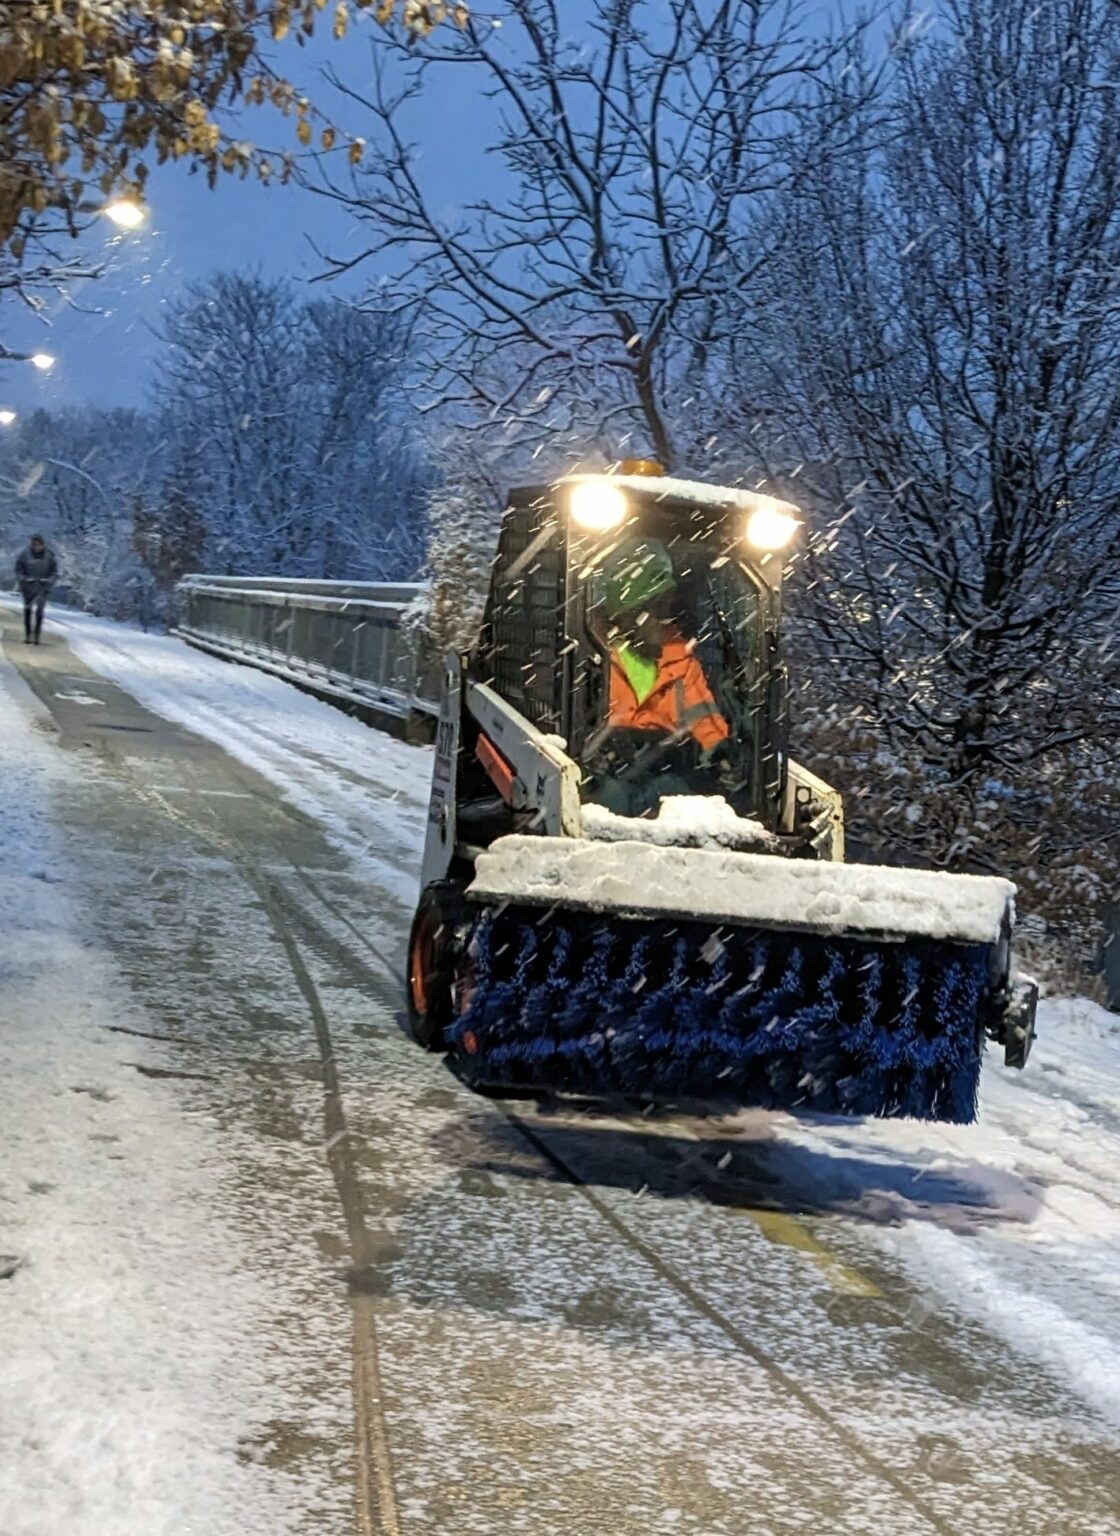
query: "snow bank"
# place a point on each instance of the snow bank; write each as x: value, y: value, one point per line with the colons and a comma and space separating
x: 128, y: 1312
x: 683, y: 821
x: 366, y: 790
x: 643, y: 880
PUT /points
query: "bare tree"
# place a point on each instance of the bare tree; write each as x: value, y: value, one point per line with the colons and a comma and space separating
x: 945, y: 365
x: 641, y: 154
x: 285, y: 431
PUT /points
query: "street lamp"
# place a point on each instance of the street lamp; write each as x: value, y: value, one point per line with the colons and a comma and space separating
x: 7, y: 417
x: 125, y: 212
x: 42, y: 360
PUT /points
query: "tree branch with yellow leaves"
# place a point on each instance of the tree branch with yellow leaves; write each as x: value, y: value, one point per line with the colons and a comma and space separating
x: 92, y: 92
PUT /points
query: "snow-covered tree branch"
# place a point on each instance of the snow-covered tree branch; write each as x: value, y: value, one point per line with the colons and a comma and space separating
x: 643, y: 155
x: 286, y: 431
x: 944, y: 346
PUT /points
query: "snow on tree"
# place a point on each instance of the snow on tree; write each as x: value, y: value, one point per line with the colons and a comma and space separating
x: 73, y: 476
x: 945, y: 341
x: 286, y: 431
x: 640, y: 150
x: 462, y: 516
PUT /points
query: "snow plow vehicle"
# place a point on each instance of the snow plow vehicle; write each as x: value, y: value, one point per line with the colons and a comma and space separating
x: 629, y: 889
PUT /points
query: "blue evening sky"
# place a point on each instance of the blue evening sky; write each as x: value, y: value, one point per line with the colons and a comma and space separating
x: 105, y: 341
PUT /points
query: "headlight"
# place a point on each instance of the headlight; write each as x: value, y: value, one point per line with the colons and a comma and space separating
x: 597, y: 506
x: 771, y: 527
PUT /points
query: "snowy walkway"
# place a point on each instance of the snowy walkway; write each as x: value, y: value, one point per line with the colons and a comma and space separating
x: 518, y: 1322
x: 130, y: 1309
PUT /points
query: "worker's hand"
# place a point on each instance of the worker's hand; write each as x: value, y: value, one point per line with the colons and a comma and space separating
x: 719, y: 761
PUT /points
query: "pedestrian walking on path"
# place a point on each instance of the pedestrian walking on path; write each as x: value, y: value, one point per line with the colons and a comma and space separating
x: 36, y: 571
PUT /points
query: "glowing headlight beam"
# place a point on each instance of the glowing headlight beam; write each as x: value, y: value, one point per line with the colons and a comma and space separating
x: 770, y: 528
x: 597, y: 506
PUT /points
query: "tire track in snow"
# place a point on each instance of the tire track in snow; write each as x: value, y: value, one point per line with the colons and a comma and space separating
x: 375, y: 1493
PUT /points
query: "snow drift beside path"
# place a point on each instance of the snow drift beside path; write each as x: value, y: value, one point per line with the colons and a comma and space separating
x: 368, y: 791
x: 128, y: 1318
x: 1015, y: 1219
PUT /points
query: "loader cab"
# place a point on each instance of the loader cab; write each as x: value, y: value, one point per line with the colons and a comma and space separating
x: 637, y: 618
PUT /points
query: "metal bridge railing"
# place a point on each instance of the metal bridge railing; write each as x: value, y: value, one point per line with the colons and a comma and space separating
x: 346, y: 640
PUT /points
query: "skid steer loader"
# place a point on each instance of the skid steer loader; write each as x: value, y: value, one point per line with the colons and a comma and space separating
x: 629, y: 889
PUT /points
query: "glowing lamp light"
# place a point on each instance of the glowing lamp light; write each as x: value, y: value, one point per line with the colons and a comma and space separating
x: 42, y: 361
x: 770, y: 528
x: 597, y: 506
x: 7, y: 417
x: 125, y: 213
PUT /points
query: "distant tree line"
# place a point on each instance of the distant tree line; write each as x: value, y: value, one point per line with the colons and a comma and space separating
x: 278, y: 440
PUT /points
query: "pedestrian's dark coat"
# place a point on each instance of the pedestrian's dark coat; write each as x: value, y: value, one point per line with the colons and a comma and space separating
x: 36, y: 573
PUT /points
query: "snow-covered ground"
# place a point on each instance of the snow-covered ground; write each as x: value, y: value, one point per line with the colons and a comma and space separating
x: 368, y: 791
x: 1015, y: 1219
x: 127, y: 1307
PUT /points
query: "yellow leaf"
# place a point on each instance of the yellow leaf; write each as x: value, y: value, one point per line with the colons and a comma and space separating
x: 328, y: 138
x: 341, y: 19
x: 281, y: 21
x: 303, y: 131
x: 354, y: 154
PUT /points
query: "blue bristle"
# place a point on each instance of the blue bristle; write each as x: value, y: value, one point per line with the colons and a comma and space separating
x: 569, y: 1002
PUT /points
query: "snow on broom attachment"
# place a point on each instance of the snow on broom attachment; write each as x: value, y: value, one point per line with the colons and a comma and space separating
x: 682, y: 974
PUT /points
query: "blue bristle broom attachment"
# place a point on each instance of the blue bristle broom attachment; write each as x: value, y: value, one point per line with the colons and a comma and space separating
x: 677, y: 1012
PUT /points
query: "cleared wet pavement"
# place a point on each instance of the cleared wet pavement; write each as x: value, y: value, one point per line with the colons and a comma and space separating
x: 506, y: 1318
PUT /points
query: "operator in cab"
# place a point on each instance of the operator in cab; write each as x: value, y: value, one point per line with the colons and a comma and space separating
x: 656, y: 681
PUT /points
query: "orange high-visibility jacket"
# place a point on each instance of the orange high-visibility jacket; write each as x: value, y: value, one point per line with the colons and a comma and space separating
x: 681, y: 699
